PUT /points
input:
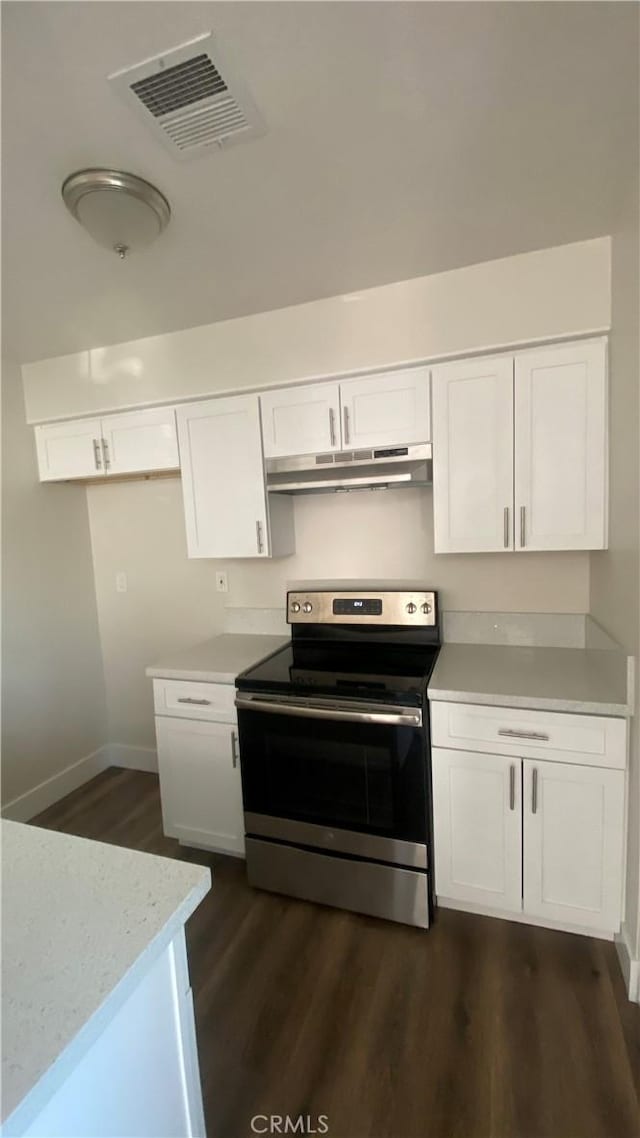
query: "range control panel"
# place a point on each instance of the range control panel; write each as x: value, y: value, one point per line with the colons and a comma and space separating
x: 360, y: 607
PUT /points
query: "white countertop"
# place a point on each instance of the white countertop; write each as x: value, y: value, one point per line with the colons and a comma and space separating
x: 588, y: 681
x: 82, y: 922
x: 218, y: 660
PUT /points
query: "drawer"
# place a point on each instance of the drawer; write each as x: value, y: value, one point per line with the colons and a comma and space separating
x: 590, y: 740
x: 193, y: 700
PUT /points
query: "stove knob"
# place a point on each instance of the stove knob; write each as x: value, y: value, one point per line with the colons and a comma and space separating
x: 307, y: 607
x: 426, y: 607
x: 411, y: 607
x: 295, y: 606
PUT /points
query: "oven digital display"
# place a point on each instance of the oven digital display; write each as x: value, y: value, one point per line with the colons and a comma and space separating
x: 352, y: 607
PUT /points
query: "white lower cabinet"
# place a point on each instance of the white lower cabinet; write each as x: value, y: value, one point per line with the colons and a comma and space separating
x: 200, y: 786
x: 572, y: 854
x: 541, y: 838
x: 478, y: 828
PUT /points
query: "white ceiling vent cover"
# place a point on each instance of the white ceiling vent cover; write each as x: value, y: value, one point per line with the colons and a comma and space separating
x: 190, y: 98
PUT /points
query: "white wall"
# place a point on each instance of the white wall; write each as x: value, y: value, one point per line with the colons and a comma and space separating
x: 53, y: 708
x: 171, y: 601
x: 615, y: 573
x: 533, y: 296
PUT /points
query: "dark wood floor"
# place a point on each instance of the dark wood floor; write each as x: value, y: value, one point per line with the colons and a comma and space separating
x: 478, y: 1028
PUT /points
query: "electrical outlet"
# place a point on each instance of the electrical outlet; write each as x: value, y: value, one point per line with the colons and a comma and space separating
x: 121, y: 582
x: 221, y: 581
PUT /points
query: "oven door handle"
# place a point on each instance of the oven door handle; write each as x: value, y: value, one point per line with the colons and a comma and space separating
x: 404, y: 717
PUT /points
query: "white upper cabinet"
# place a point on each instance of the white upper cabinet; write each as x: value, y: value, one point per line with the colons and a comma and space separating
x: 301, y: 420
x: 520, y: 451
x: 140, y: 441
x: 386, y: 410
x: 477, y: 828
x: 561, y: 447
x: 473, y: 455
x: 130, y: 443
x: 573, y: 834
x: 223, y: 484
x: 69, y: 450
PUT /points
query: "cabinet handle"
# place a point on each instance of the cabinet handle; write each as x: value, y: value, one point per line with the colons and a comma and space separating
x: 506, y: 527
x: 332, y: 426
x: 96, y: 454
x: 259, y: 536
x: 190, y: 699
x: 534, y: 791
x: 522, y: 527
x: 512, y: 787
x: 512, y: 733
x: 234, y: 749
x: 105, y: 453
x: 346, y: 424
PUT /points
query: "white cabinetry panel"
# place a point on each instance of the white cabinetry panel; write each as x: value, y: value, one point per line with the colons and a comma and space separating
x: 473, y: 455
x: 478, y: 828
x: 141, y: 440
x: 386, y: 410
x: 573, y: 831
x: 560, y: 447
x: 200, y: 783
x: 69, y: 450
x: 301, y: 420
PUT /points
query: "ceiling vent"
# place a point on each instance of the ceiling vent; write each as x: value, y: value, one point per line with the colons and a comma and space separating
x: 190, y: 98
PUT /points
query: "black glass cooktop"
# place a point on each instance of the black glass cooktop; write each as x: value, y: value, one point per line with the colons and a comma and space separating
x: 377, y: 671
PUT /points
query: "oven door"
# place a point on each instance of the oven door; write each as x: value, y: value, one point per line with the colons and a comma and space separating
x: 344, y: 776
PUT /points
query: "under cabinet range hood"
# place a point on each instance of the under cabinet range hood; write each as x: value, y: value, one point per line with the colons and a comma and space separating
x: 380, y: 468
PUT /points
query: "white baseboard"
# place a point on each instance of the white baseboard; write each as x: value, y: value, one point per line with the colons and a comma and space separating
x: 132, y: 758
x: 521, y: 918
x: 40, y: 797
x: 629, y: 965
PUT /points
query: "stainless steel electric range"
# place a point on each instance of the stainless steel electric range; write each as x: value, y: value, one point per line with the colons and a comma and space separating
x: 335, y: 754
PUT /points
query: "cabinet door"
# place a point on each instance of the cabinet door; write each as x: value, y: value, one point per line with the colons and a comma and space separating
x: 223, y: 478
x: 200, y: 783
x: 477, y: 821
x: 473, y: 456
x: 140, y: 440
x: 386, y: 410
x: 561, y: 447
x: 301, y: 420
x: 69, y: 450
x: 573, y: 831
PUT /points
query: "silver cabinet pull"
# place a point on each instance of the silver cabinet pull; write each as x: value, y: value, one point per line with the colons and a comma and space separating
x: 522, y: 527
x: 96, y: 454
x: 190, y: 699
x: 259, y: 537
x: 506, y: 527
x: 346, y: 424
x: 512, y: 787
x: 332, y: 426
x: 105, y: 454
x: 234, y: 749
x: 512, y: 733
x: 534, y: 791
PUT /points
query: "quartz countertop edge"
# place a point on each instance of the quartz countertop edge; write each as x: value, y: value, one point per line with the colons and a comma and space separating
x: 218, y: 660
x: 29, y: 1081
x: 576, y: 680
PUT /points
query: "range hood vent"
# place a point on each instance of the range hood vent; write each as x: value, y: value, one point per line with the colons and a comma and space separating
x: 341, y: 471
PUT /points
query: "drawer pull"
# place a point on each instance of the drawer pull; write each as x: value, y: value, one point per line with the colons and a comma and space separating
x: 512, y: 733
x: 190, y: 699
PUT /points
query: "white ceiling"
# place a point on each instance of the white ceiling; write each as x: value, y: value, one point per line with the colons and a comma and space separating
x: 402, y: 139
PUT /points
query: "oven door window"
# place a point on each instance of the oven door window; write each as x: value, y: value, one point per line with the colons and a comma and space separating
x: 365, y: 777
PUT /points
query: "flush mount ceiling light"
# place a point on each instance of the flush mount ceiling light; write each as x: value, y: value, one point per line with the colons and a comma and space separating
x: 121, y: 211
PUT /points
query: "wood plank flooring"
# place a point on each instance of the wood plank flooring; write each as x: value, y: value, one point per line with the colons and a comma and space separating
x: 477, y: 1028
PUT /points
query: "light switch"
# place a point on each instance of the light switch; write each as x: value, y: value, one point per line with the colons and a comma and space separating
x: 221, y: 581
x: 121, y: 582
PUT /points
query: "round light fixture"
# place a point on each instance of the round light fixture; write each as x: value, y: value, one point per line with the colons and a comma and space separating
x: 121, y: 211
